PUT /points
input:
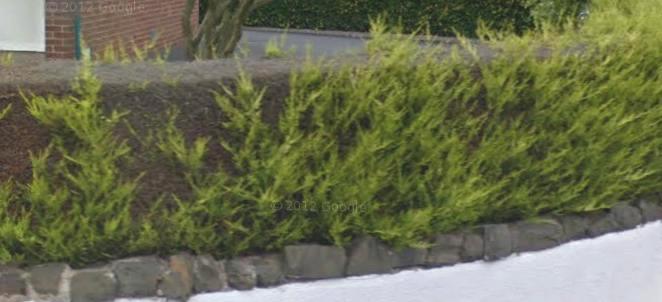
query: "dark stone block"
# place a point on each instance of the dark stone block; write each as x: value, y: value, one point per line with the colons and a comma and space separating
x: 12, y: 282
x: 473, y: 247
x: 626, y: 215
x: 575, y: 227
x: 531, y: 236
x: 309, y: 262
x: 445, y: 250
x: 45, y: 279
x: 650, y: 210
x: 138, y: 277
x: 181, y: 268
x: 93, y: 286
x: 498, y: 241
x: 602, y: 223
x: 369, y: 256
x: 410, y: 257
x: 241, y: 274
x: 269, y: 270
x: 173, y: 287
x: 620, y: 217
x: 208, y: 275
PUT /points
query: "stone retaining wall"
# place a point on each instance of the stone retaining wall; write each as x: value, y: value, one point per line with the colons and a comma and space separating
x: 180, y: 276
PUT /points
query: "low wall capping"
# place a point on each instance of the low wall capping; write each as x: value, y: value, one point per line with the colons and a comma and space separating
x: 180, y: 276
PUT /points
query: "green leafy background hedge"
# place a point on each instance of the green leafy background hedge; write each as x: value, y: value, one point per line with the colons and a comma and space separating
x: 444, y: 17
x: 353, y: 15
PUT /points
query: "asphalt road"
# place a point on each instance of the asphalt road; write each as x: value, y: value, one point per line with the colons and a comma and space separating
x: 254, y: 42
x: 299, y: 43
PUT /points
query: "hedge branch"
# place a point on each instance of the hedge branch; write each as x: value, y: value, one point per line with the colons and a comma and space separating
x: 219, y: 31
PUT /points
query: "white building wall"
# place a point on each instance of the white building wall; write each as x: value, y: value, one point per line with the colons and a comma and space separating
x: 22, y: 25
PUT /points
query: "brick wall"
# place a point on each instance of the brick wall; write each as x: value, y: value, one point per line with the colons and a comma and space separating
x: 106, y: 22
x: 59, y: 29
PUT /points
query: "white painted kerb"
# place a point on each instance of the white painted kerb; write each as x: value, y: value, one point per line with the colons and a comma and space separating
x: 22, y: 25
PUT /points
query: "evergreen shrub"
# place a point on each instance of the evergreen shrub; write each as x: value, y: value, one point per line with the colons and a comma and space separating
x: 406, y: 145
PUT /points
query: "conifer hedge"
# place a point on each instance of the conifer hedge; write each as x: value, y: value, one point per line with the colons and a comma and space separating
x: 410, y: 144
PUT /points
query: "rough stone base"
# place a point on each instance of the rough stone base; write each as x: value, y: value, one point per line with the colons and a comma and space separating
x: 180, y: 276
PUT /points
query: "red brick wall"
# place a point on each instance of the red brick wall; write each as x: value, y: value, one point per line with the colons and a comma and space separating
x: 59, y: 29
x: 106, y: 22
